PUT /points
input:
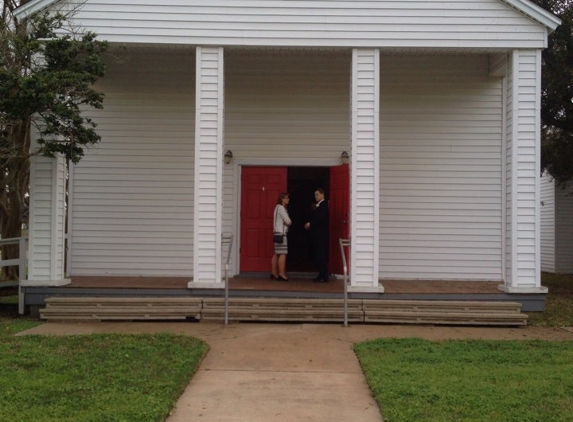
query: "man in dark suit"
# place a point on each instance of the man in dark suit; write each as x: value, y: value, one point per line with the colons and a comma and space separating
x: 318, y: 226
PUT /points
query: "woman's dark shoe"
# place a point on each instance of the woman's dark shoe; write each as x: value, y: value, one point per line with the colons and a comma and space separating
x: 281, y: 278
x: 274, y: 277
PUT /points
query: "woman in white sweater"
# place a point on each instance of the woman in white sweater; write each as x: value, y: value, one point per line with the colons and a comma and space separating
x: 281, y: 222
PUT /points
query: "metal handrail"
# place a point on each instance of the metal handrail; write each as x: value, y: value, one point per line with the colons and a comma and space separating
x: 345, y: 243
x: 21, y: 262
x: 227, y: 239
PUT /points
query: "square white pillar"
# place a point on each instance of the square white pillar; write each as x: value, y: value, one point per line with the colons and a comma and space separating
x: 522, y: 152
x: 46, y: 232
x: 209, y: 117
x: 365, y: 208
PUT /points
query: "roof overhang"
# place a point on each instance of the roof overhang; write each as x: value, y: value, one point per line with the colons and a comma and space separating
x: 33, y: 6
x: 535, y: 12
x: 528, y: 8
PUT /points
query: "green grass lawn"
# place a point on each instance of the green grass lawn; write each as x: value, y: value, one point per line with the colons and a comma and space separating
x: 473, y: 380
x: 99, y: 378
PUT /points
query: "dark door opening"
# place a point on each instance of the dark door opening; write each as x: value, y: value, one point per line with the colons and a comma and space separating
x: 260, y: 187
x: 301, y: 184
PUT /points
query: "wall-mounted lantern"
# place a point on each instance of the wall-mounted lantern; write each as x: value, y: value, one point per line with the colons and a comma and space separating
x: 228, y: 156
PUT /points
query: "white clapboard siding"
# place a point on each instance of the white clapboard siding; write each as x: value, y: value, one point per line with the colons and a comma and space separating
x: 440, y: 168
x: 365, y: 147
x: 556, y: 226
x: 208, y: 171
x: 564, y: 230
x: 47, y: 216
x: 132, y: 197
x: 281, y: 105
x: 524, y: 142
x: 547, y: 217
x: 509, y: 179
x: 403, y: 23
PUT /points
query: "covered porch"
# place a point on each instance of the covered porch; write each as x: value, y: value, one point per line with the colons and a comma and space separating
x: 430, y: 177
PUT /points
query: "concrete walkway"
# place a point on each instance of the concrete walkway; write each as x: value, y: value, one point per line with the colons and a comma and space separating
x: 285, y: 372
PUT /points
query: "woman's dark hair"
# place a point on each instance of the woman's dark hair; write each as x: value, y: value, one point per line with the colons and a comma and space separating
x: 282, y: 195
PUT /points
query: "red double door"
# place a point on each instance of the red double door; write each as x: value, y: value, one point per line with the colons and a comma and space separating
x: 260, y: 187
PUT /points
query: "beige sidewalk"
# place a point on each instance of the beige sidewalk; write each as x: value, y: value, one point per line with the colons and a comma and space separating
x: 286, y: 372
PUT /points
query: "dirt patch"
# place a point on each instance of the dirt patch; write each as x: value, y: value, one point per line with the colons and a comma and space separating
x: 351, y: 334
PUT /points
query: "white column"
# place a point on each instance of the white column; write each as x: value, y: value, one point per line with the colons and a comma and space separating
x: 47, y: 222
x: 209, y: 115
x: 522, y: 260
x: 365, y: 162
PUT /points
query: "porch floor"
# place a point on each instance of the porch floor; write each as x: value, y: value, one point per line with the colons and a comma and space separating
x: 300, y: 286
x: 296, y: 284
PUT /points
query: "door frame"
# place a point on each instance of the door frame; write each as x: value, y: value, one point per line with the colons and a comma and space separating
x: 234, y: 170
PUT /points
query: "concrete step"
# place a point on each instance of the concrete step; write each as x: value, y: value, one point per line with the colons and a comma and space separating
x: 445, y: 318
x: 285, y: 309
x: 442, y: 305
x: 444, y: 312
x: 271, y: 309
x: 121, y: 308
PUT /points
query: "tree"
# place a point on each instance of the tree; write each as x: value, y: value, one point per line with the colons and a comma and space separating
x: 47, y: 71
x: 557, y: 95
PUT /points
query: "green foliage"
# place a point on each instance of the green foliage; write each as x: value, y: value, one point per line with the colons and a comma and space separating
x: 46, y: 78
x: 102, y: 377
x: 472, y: 380
x: 47, y: 72
x: 557, y: 95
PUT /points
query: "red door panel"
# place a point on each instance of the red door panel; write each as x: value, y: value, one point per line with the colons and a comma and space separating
x: 339, y: 207
x: 260, y: 188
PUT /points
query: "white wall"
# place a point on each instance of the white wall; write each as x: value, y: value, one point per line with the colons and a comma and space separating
x: 405, y: 23
x: 440, y: 168
x: 132, y: 211
x: 564, y: 230
x: 287, y: 104
x: 547, y: 218
x: 556, y: 227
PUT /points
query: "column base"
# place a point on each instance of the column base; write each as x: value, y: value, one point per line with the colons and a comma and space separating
x: 205, y: 285
x: 366, y: 289
x: 45, y: 283
x: 523, y: 289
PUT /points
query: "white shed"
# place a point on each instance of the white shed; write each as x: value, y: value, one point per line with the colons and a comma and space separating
x: 436, y: 103
x: 556, y: 227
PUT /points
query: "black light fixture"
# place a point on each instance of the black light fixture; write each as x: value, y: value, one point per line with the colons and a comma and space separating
x: 344, y: 157
x: 228, y: 156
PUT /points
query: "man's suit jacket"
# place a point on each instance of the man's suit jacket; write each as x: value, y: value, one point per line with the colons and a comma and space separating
x: 319, y: 223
